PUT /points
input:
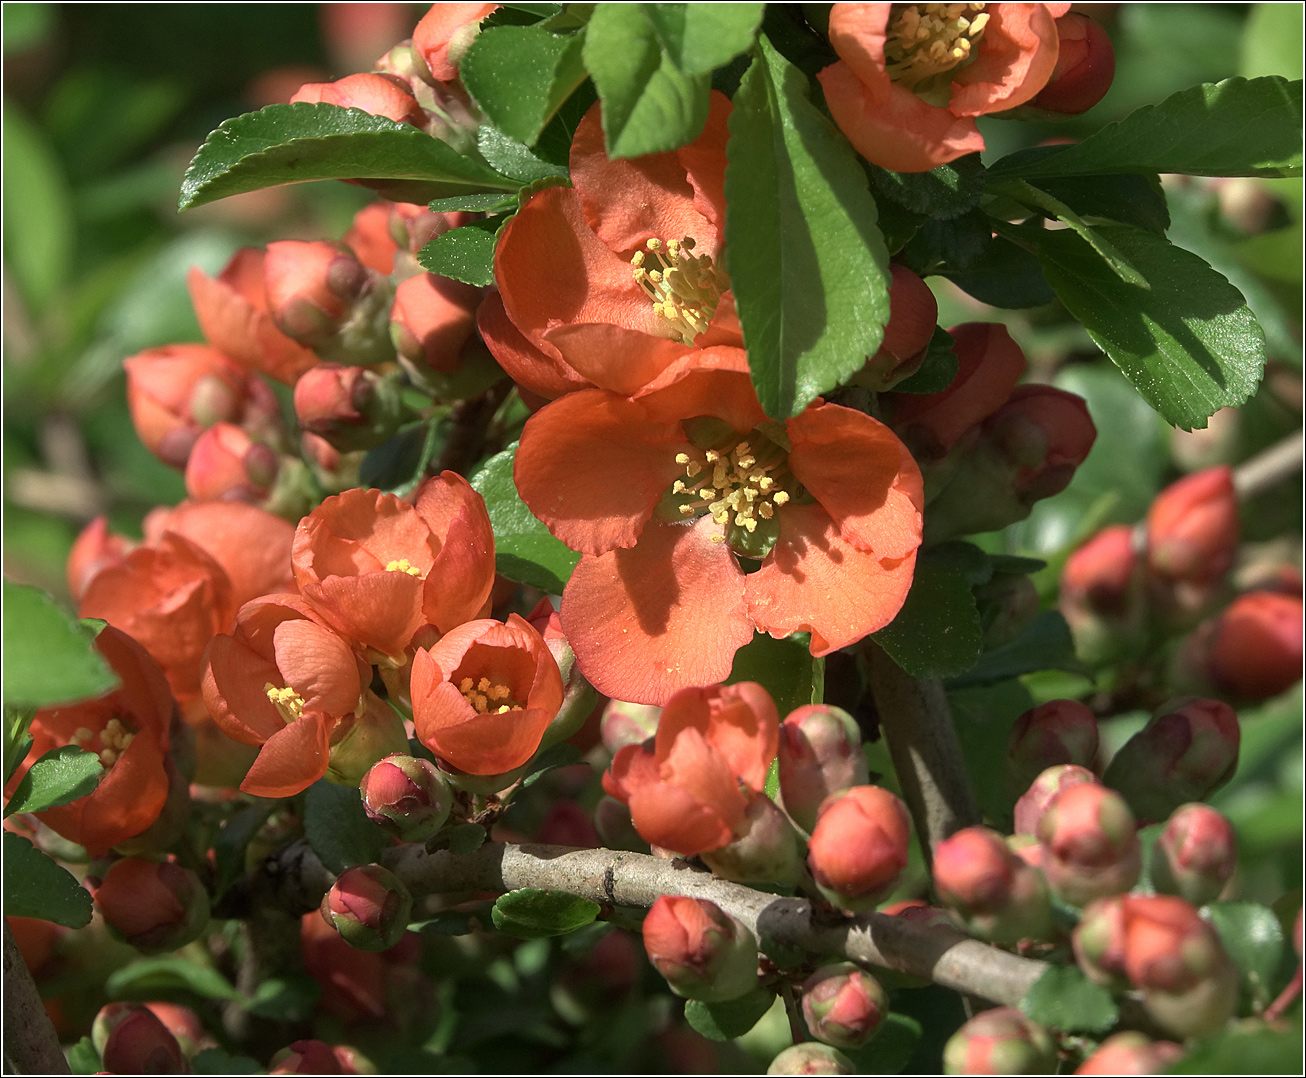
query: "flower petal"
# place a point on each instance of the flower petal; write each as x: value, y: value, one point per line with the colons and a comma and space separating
x: 739, y: 721
x: 377, y: 610
x: 612, y: 357
x: 462, y: 577
x: 319, y: 666
x: 234, y: 693
x: 696, y: 805
x: 1013, y: 63
x: 704, y: 162
x: 710, y: 381
x: 292, y: 759
x: 532, y: 368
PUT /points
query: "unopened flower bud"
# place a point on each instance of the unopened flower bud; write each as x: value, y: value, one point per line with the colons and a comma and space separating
x: 184, y: 1024
x: 153, y: 905
x: 432, y: 318
x: 381, y: 95
x: 226, y: 464
x: 1058, y: 732
x: 1102, y: 593
x: 132, y: 1040
x: 1086, y: 64
x: 844, y: 1005
x: 369, y: 907
x: 407, y: 797
x: 703, y: 952
x: 1185, y: 753
x: 1089, y: 844
x: 811, y: 1057
x: 351, y: 407
x: 913, y: 314
x: 1255, y: 649
x: 1099, y: 942
x: 579, y: 697
x: 1131, y: 1052
x: 1195, y: 856
x: 370, y: 240
x: 1192, y: 527
x: 318, y: 1057
x: 377, y: 733
x: 858, y: 847
x: 766, y: 849
x: 628, y: 724
x: 413, y: 226
x: 820, y: 754
x: 1034, y: 802
x: 1000, y: 1041
x: 995, y: 895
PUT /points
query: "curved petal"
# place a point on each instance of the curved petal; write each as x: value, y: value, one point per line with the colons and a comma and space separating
x: 483, y: 744
x: 377, y: 610
x: 739, y: 721
x: 858, y: 33
x: 592, y: 467
x: 360, y: 531
x: 128, y: 800
x: 234, y: 693
x: 862, y: 475
x: 293, y: 759
x: 612, y: 357
x: 816, y: 581
x: 251, y: 544
x: 1013, y: 63
x: 649, y: 621
x: 237, y: 328
x: 536, y: 370
x: 319, y: 666
x: 462, y: 577
x: 704, y: 162
x: 632, y: 766
x: 696, y: 805
x: 710, y: 381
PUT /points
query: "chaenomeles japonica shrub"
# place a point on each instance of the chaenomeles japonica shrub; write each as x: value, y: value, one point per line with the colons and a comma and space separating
x: 599, y: 634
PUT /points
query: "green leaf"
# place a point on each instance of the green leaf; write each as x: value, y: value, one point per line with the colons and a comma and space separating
x: 61, y: 775
x: 398, y: 464
x: 514, y: 159
x: 937, y: 369
x: 701, y: 37
x: 785, y: 668
x: 524, y: 550
x: 1065, y: 999
x: 216, y: 1061
x: 954, y: 244
x: 890, y: 1049
x: 1005, y: 275
x: 481, y: 203
x: 943, y: 192
x: 82, y: 1056
x: 466, y: 838
x: 731, y: 1019
x: 1238, y: 127
x: 649, y: 105
x: 520, y: 75
x: 1245, y: 1050
x: 559, y: 755
x: 808, y: 266
x: 150, y: 976
x: 49, y: 657
x: 529, y: 913
x: 39, y: 236
x: 1129, y: 199
x: 338, y: 829
x: 1252, y: 935
x: 937, y: 632
x: 1044, y: 644
x: 35, y: 886
x: 287, y: 998
x: 465, y: 254
x: 230, y: 845
x: 1187, y: 342
x: 293, y: 143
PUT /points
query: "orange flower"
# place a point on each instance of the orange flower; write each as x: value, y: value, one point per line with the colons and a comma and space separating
x: 909, y: 82
x: 381, y: 95
x: 378, y: 569
x: 684, y: 792
x: 447, y: 25
x: 128, y: 728
x: 612, y: 280
x: 660, y: 492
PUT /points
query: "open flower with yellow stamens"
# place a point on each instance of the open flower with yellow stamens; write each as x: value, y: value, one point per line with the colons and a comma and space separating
x: 911, y: 78
x: 664, y: 491
x: 610, y: 281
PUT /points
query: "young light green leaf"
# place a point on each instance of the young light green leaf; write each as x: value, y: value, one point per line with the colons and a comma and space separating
x: 83, y: 1058
x: 466, y: 838
x: 465, y: 254
x: 293, y: 143
x: 1238, y: 127
x: 61, y: 775
x: 529, y: 913
x: 520, y: 75
x: 808, y: 264
x: 1188, y: 342
x: 49, y: 657
x: 731, y: 1019
x: 701, y: 37
x: 649, y: 104
x: 892, y: 1047
x: 1065, y: 999
x: 338, y: 829
x: 35, y: 886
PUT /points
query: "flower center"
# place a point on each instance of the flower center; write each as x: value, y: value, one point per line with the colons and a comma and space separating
x: 925, y: 40
x: 115, y: 737
x: 402, y: 566
x: 685, y: 288
x: 288, y: 702
x: 488, y: 696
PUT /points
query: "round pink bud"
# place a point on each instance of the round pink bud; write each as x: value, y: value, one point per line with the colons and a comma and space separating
x: 1058, y: 732
x: 1034, y: 802
x: 153, y: 905
x: 820, y: 754
x: 1131, y: 1052
x: 1086, y: 64
x: 311, y: 286
x: 843, y: 1005
x: 369, y: 907
x: 1098, y: 576
x: 859, y: 846
x: 1192, y: 527
x: 1000, y: 1041
x: 1195, y: 856
x: 226, y: 464
x: 432, y: 318
x: 406, y: 796
x: 809, y: 1057
x: 131, y: 1040
x: 703, y: 952
x: 353, y: 408
x: 995, y: 894
x: 1099, y: 942
x: 1089, y: 844
x: 1256, y: 645
x: 913, y: 314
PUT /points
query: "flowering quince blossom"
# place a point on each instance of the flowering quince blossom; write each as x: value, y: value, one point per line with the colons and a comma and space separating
x: 684, y: 787
x: 911, y: 78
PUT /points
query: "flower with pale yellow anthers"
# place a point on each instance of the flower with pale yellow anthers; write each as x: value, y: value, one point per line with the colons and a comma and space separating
x: 735, y: 485
x: 685, y: 288
x: 484, y: 694
x: 922, y: 44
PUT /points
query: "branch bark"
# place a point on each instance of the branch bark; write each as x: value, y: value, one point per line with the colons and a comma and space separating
x: 1269, y: 467
x: 31, y: 1045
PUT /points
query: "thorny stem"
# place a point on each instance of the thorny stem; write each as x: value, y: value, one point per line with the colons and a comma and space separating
x: 31, y: 1045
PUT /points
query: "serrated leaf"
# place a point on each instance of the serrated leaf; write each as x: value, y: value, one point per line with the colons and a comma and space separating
x: 649, y: 104
x: 559, y: 755
x: 530, y: 913
x: 1044, y: 644
x: 1238, y: 127
x: 520, y: 75
x: 1187, y: 342
x: 524, y: 550
x: 50, y: 658
x: 937, y: 632
x: 149, y: 976
x: 1252, y: 935
x: 701, y: 37
x: 785, y: 668
x: 83, y: 1058
x: 36, y: 886
x: 466, y: 254
x: 338, y: 829
x: 943, y: 192
x: 216, y: 1061
x: 734, y: 1018
x: 808, y: 265
x: 514, y: 159
x: 1128, y: 199
x: 1064, y: 998
x: 1245, y: 1050
x: 61, y: 775
x: 937, y: 369
x: 293, y: 143
x: 466, y: 838
x: 480, y: 203
x: 1005, y: 275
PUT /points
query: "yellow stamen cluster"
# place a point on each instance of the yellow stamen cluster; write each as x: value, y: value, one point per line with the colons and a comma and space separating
x: 925, y: 40
x: 735, y: 485
x: 485, y: 696
x: 685, y: 288
x: 115, y: 737
x: 402, y: 566
x: 288, y: 702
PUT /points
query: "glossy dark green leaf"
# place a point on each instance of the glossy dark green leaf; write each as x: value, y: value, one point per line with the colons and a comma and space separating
x: 937, y: 369
x: 49, y: 657
x: 524, y: 550
x: 520, y: 75
x: 149, y: 976
x: 479, y: 203
x: 784, y: 667
x: 1250, y: 1049
x: 1065, y: 999
x: 1044, y: 644
x: 1187, y: 341
x: 338, y: 829
x: 701, y: 37
x: 36, y: 886
x: 466, y: 838
x: 293, y: 143
x: 946, y: 191
x: 1005, y: 275
x: 1129, y: 198
x: 890, y: 1049
x: 559, y: 755
x: 1252, y: 935
x: 530, y: 913
x: 1238, y: 127
x: 398, y: 464
x: 216, y: 1061
x: 649, y: 104
x: 731, y: 1019
x: 937, y: 632
x: 513, y: 158
x: 465, y: 254
x: 808, y: 265
x: 61, y: 775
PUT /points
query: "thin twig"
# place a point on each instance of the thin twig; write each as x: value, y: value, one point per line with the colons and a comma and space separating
x: 797, y: 1031
x: 31, y: 1045
x: 1269, y: 467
